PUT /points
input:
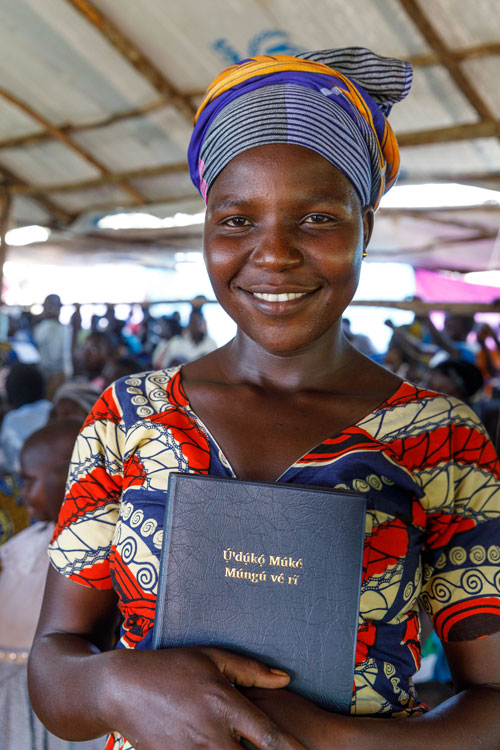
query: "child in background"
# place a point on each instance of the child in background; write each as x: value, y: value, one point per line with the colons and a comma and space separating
x: 44, y: 459
x: 73, y: 399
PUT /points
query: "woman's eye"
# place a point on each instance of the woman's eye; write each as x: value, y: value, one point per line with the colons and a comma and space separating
x: 318, y: 219
x: 236, y: 221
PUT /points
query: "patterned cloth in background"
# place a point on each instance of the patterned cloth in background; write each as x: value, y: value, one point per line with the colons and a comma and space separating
x: 13, y: 514
x: 335, y: 102
x: 432, y: 482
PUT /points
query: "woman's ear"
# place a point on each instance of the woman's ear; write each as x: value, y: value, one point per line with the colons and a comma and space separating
x: 368, y: 217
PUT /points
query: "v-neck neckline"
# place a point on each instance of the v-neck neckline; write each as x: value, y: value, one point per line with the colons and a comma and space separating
x: 224, y: 459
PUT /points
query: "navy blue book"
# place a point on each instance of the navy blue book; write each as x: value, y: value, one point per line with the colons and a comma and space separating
x: 272, y: 571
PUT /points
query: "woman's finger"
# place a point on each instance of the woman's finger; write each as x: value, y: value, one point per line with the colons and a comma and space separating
x: 246, y: 672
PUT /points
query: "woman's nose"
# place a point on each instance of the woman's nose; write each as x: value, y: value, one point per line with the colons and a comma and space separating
x: 277, y: 250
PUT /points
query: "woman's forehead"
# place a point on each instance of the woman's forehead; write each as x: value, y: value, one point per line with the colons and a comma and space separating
x: 282, y: 167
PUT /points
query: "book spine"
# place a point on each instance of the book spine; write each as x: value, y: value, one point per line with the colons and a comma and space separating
x: 161, y: 602
x: 360, y: 579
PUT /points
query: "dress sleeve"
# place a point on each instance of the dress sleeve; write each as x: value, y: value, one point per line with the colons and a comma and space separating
x: 82, y: 539
x: 461, y: 561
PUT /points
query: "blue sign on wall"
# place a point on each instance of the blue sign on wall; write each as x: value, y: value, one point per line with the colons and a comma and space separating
x: 270, y: 42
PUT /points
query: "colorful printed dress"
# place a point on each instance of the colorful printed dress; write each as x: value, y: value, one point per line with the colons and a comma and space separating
x: 432, y: 482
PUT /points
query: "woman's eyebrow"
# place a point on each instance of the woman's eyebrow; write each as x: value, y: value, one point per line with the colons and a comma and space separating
x: 226, y: 203
x: 242, y: 203
x: 329, y: 197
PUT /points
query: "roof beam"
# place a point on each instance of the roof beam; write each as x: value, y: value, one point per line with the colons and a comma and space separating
x: 437, y: 216
x: 153, y: 202
x: 5, y: 208
x: 59, y: 135
x: 110, y: 178
x: 467, y: 53
x: 420, y: 308
x: 134, y: 56
x: 467, y: 131
x: 11, y: 179
x: 34, y: 139
x: 469, y: 178
x: 424, y: 24
x: 20, y: 187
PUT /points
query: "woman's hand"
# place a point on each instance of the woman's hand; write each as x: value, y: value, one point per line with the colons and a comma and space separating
x: 184, y: 699
x: 180, y: 699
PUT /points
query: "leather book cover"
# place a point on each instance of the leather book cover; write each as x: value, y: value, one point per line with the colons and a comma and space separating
x: 269, y: 570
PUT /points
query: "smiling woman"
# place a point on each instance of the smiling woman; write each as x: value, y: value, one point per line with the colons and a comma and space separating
x: 292, y: 156
x: 284, y: 236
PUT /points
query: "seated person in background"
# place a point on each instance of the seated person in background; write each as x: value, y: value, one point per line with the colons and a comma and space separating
x: 194, y: 342
x: 358, y: 340
x: 30, y: 410
x: 448, y: 343
x: 97, y: 350
x: 45, y: 459
x: 74, y: 399
x: 465, y: 381
x: 452, y: 340
x: 117, y: 368
x: 455, y: 378
x: 488, y: 359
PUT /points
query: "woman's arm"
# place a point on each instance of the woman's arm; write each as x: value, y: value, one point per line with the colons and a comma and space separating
x: 469, y: 720
x: 178, y: 698
x: 483, y: 334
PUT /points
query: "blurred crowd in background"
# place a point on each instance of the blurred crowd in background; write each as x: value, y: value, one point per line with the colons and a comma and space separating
x: 49, y: 370
x: 52, y: 373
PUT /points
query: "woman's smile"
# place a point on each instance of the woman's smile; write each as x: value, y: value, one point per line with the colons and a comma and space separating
x: 280, y: 298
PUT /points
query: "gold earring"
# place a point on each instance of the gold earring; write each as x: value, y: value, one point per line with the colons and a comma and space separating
x: 364, y: 253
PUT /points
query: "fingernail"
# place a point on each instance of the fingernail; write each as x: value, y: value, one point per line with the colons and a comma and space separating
x: 279, y: 671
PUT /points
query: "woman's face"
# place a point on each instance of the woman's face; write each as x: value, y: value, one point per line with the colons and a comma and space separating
x: 284, y: 236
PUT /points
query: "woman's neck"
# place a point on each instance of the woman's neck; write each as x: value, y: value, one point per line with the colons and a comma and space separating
x: 317, y: 367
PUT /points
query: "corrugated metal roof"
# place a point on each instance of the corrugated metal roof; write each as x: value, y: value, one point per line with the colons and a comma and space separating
x: 98, y: 113
x: 462, y: 24
x: 55, y: 60
x: 479, y: 156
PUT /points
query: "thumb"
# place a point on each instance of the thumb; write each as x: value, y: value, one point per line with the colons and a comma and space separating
x: 247, y: 672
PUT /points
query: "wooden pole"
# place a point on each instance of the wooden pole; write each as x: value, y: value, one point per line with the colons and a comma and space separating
x: 423, y: 22
x: 5, y: 206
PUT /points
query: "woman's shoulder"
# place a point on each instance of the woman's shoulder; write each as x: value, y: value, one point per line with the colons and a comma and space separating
x: 412, y: 410
x: 141, y: 395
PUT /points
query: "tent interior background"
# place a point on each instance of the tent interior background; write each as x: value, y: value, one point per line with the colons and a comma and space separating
x: 97, y: 101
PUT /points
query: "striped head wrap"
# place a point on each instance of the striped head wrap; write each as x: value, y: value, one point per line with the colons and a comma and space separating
x: 335, y: 102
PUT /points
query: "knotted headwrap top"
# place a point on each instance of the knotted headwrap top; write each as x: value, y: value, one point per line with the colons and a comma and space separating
x: 334, y: 102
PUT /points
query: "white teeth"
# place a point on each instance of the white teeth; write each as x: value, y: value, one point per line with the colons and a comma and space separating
x: 286, y: 297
